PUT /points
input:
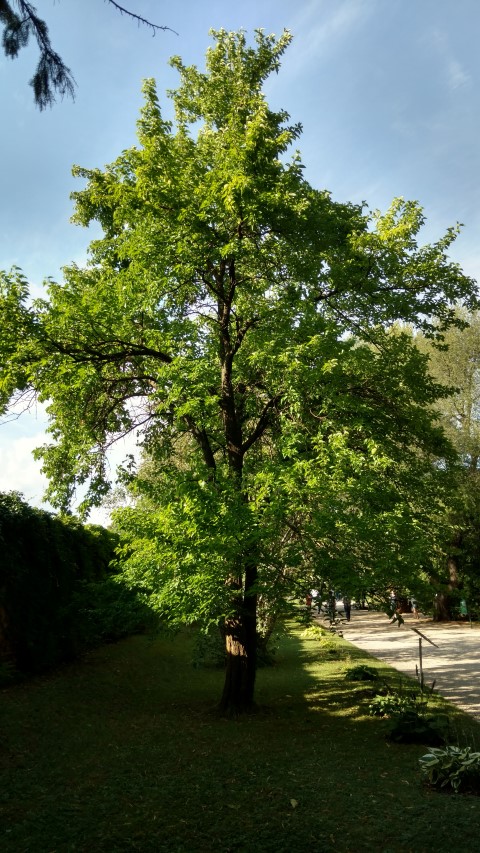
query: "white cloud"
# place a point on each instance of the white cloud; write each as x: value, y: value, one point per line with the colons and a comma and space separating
x: 457, y: 77
x: 19, y: 471
x: 23, y: 431
x: 334, y: 23
x: 318, y: 28
x: 455, y: 74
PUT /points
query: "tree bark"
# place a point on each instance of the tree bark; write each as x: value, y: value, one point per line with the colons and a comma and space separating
x: 241, y: 628
x: 442, y: 607
x: 444, y: 601
x: 241, y: 653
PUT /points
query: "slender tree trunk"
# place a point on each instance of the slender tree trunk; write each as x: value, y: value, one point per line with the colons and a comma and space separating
x: 268, y: 623
x: 6, y: 650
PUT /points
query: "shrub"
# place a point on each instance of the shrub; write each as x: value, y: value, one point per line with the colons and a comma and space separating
x: 105, y: 611
x: 314, y: 632
x: 209, y: 649
x: 417, y: 727
x: 411, y: 720
x: 392, y: 705
x: 361, y: 673
x: 452, y: 766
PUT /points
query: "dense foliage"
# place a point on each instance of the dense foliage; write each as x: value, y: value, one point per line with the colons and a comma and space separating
x: 456, y: 570
x: 57, y: 592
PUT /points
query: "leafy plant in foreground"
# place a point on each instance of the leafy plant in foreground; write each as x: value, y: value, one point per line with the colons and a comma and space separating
x: 452, y: 766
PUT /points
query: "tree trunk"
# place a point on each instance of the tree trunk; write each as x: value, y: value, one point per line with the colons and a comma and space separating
x: 445, y: 601
x: 403, y: 604
x: 237, y: 697
x: 241, y: 652
x: 442, y: 607
x: 267, y: 626
x: 241, y: 628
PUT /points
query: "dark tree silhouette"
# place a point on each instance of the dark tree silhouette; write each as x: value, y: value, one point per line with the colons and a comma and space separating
x: 52, y: 77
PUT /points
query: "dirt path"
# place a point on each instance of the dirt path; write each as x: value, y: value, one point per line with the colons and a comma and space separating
x: 454, y: 665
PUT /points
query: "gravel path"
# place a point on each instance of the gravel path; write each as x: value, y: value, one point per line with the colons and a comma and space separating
x: 454, y: 664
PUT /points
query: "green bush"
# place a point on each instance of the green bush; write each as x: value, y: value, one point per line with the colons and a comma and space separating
x: 107, y: 610
x: 417, y: 727
x: 452, y: 766
x: 392, y: 705
x: 412, y: 722
x: 361, y: 673
x: 314, y: 632
x: 209, y: 649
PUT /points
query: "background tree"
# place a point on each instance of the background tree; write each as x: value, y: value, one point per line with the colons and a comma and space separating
x: 52, y: 77
x: 237, y: 319
x: 456, y: 364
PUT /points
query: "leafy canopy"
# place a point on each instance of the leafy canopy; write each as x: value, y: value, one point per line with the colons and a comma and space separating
x: 237, y: 320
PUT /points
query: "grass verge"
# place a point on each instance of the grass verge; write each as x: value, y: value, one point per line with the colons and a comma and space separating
x: 123, y: 751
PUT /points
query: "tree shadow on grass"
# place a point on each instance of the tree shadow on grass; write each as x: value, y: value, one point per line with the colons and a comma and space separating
x: 122, y: 754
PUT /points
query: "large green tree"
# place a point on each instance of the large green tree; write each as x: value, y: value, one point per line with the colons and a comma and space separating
x: 237, y: 319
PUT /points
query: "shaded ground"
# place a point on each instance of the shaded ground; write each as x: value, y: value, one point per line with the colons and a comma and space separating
x: 454, y: 665
x: 122, y: 751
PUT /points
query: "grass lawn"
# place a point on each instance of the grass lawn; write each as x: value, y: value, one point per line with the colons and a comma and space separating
x: 123, y: 751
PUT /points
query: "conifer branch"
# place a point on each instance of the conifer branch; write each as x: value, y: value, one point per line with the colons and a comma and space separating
x: 52, y: 77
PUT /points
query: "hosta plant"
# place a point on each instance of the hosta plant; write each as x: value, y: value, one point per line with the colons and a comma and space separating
x: 452, y: 766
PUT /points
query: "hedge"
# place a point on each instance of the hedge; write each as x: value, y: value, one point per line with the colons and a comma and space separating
x: 58, y: 591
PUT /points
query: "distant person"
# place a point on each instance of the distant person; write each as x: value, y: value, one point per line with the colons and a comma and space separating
x: 414, y: 605
x: 347, y: 606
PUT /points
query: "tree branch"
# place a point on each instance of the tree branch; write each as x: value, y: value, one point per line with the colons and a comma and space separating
x: 92, y: 354
x: 52, y: 76
x: 242, y: 332
x: 202, y: 439
x: 262, y: 423
x: 139, y: 18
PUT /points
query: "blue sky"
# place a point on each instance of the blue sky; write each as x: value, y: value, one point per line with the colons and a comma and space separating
x: 387, y: 92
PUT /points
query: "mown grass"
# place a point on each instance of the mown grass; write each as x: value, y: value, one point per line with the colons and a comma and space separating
x: 123, y: 751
